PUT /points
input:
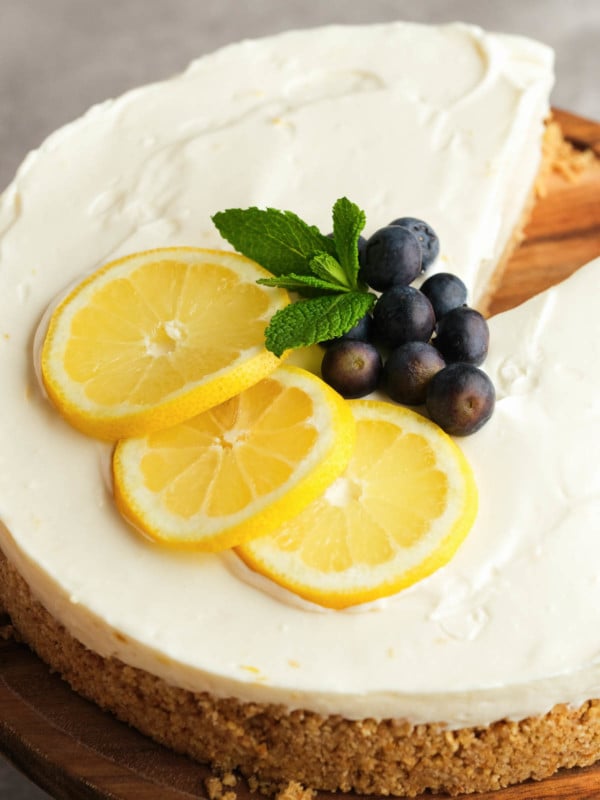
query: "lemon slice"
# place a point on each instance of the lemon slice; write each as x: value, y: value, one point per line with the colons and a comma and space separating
x: 238, y: 470
x: 400, y: 510
x: 157, y: 337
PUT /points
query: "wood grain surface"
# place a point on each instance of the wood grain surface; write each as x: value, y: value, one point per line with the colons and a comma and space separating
x: 75, y: 751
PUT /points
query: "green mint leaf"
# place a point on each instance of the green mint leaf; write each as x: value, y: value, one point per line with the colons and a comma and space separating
x: 278, y: 240
x: 309, y: 321
x: 348, y: 223
x: 308, y: 285
x: 329, y: 269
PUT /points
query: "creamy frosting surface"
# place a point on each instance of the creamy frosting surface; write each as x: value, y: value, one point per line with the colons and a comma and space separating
x: 508, y: 627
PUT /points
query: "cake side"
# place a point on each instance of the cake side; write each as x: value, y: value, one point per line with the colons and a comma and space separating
x: 389, y: 756
x: 559, y: 157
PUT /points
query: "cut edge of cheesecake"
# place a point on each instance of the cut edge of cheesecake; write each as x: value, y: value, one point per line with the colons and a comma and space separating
x: 558, y: 156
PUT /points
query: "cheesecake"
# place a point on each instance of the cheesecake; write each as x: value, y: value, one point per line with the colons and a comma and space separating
x: 482, y: 674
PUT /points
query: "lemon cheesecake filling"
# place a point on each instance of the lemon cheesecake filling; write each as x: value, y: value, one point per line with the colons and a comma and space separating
x: 437, y: 651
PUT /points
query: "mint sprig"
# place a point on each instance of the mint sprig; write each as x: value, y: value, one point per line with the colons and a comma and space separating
x: 348, y: 223
x: 321, y: 268
x: 317, y: 320
x: 277, y: 240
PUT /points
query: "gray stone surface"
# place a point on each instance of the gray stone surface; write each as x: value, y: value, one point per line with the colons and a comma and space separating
x: 58, y: 57
x: 13, y: 786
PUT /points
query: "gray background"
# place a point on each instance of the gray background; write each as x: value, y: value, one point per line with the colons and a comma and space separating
x: 58, y: 57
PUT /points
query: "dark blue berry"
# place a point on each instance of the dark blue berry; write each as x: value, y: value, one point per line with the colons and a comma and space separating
x: 352, y: 368
x: 408, y: 371
x: 445, y: 292
x: 362, y: 250
x: 426, y: 236
x: 460, y: 399
x: 463, y: 335
x: 403, y: 314
x: 392, y: 258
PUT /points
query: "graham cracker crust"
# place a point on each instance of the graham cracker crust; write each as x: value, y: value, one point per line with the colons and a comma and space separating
x: 269, y: 744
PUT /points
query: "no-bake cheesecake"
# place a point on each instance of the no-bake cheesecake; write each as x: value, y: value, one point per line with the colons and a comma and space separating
x: 480, y: 675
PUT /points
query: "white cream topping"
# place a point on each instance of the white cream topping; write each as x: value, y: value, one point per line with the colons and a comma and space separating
x: 442, y: 123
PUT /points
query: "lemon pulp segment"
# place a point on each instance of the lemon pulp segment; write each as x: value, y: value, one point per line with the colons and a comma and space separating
x: 398, y: 512
x: 240, y: 469
x: 157, y: 337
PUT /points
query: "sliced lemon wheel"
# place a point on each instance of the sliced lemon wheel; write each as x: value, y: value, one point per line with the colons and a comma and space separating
x: 239, y: 470
x: 400, y: 510
x: 157, y: 337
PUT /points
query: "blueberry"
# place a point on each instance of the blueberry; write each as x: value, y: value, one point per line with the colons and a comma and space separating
x: 460, y: 399
x: 445, y: 292
x: 427, y: 237
x: 403, y: 314
x: 392, y: 258
x: 463, y: 335
x: 362, y: 250
x: 408, y: 371
x: 363, y: 331
x: 352, y: 368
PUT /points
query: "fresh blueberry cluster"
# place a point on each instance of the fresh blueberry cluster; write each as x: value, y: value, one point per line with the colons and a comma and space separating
x: 433, y: 343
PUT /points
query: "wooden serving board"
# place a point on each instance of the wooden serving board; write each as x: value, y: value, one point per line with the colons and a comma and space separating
x: 75, y: 751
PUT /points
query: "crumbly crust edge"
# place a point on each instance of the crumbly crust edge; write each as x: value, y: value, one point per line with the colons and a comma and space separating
x: 271, y: 743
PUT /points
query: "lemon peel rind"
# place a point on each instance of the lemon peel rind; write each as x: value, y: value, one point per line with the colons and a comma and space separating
x: 252, y: 366
x: 335, y: 596
x: 274, y: 510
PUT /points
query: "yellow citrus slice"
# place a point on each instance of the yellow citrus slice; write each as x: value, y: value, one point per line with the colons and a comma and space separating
x: 238, y: 470
x: 157, y: 337
x: 399, y: 511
